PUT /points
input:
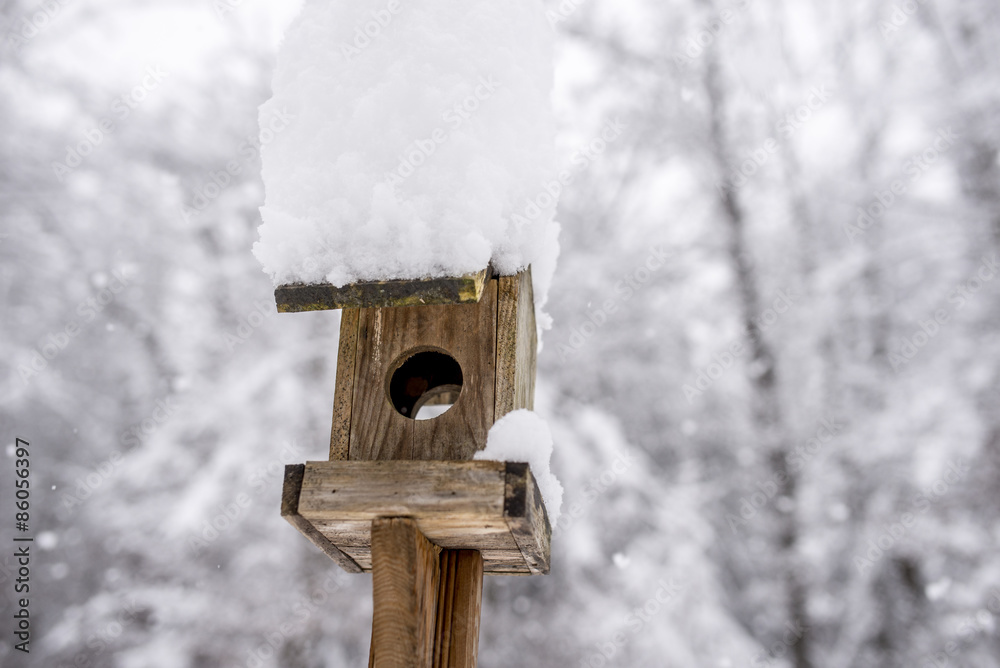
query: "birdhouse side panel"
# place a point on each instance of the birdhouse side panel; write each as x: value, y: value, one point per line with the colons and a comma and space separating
x: 517, y: 344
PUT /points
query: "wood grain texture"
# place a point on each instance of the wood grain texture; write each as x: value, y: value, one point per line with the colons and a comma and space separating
x: 343, y: 399
x: 501, y: 555
x: 290, y: 494
x: 298, y: 297
x: 380, y: 432
x: 527, y: 518
x: 492, y: 507
x: 460, y: 602
x: 405, y: 577
x: 389, y: 336
x: 498, y: 563
x: 450, y: 491
x: 517, y: 344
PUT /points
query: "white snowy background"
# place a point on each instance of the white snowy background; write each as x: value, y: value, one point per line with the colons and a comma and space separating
x: 777, y: 420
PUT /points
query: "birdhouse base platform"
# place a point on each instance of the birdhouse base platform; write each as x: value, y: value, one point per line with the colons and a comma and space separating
x: 492, y: 507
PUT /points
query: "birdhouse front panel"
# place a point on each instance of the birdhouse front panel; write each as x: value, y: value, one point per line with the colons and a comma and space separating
x: 428, y: 382
x: 418, y: 358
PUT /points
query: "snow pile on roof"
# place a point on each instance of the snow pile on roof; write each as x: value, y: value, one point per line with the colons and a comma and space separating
x: 522, y: 436
x: 421, y: 143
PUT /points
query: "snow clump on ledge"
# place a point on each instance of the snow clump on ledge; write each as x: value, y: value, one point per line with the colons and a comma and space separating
x: 522, y: 436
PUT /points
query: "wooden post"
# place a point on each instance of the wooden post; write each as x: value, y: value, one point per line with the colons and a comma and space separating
x: 405, y: 575
x: 427, y: 607
x: 460, y: 602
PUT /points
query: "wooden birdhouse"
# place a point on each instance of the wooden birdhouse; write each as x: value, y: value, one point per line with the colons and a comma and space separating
x: 424, y: 369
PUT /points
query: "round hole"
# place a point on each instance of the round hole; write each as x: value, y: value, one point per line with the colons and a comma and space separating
x: 426, y: 385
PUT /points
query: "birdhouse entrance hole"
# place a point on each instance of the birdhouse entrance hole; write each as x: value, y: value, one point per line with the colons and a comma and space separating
x: 425, y: 384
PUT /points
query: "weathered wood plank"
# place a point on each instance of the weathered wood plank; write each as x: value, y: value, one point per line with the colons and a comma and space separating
x: 527, y: 342
x: 500, y: 552
x: 387, y: 337
x: 445, y: 604
x: 470, y: 338
x: 405, y: 576
x: 452, y: 491
x: 506, y: 346
x: 498, y: 568
x: 517, y: 344
x: 343, y: 399
x: 290, y: 493
x: 381, y: 432
x: 495, y: 562
x: 527, y: 518
x: 298, y: 297
x: 479, y: 534
x: 491, y: 507
x: 460, y: 601
x: 361, y: 555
